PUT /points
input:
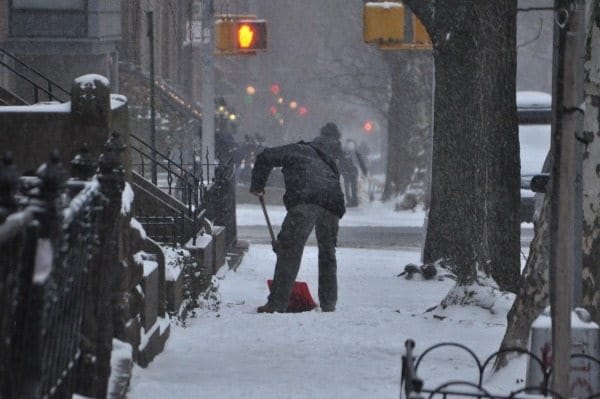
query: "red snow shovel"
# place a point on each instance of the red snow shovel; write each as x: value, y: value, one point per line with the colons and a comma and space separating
x: 300, y: 298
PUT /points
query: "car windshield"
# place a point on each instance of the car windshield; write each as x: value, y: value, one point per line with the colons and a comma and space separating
x: 534, y: 141
x: 533, y: 99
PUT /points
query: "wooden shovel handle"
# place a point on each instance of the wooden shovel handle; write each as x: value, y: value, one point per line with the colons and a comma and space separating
x: 264, y: 209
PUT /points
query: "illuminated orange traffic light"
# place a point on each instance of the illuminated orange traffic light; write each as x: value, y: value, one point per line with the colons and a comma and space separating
x: 251, y: 35
x: 245, y: 36
x: 235, y: 35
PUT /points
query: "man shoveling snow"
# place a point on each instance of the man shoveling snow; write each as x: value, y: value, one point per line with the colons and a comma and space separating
x: 313, y: 198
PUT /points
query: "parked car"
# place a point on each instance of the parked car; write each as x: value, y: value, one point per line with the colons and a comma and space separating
x: 534, y: 111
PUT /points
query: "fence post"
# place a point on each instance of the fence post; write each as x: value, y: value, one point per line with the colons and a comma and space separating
x: 9, y: 184
x: 83, y: 166
x: 31, y: 321
x: 105, y: 273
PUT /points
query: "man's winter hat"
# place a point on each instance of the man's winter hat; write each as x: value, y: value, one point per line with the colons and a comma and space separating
x: 331, y: 130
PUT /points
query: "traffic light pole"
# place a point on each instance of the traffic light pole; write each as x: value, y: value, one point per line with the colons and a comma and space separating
x: 208, y: 88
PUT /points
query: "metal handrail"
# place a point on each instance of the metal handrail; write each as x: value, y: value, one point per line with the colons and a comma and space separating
x: 192, y: 186
x: 158, y: 153
x: 50, y: 84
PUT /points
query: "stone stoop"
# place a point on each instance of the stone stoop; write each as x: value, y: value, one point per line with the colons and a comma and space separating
x: 181, y: 264
x: 234, y: 258
x: 219, y: 249
x: 149, y: 289
x: 153, y: 342
x: 133, y: 335
x: 202, y: 254
x: 174, y: 292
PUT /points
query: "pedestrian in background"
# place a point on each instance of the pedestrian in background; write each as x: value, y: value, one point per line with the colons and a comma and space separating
x: 313, y: 199
x: 350, y: 163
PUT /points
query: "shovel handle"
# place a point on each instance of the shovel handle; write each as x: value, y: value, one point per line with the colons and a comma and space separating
x: 264, y: 209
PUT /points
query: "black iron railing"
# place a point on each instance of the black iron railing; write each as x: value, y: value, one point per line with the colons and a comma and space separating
x: 176, y: 179
x: 56, y: 239
x: 182, y: 181
x: 42, y: 87
x: 413, y: 386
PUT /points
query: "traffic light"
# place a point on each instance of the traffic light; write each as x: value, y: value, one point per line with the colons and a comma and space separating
x: 383, y: 22
x: 251, y: 35
x: 394, y: 27
x: 240, y: 35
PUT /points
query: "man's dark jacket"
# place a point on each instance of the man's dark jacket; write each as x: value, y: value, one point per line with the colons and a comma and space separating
x: 310, y: 173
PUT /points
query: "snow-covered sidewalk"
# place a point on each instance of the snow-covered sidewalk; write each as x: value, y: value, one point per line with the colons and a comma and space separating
x: 370, y: 214
x: 354, y: 352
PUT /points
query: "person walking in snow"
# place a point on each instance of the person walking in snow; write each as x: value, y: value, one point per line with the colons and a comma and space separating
x: 349, y: 170
x: 313, y: 198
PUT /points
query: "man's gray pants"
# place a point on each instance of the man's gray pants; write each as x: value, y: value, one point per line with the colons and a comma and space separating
x: 295, y: 230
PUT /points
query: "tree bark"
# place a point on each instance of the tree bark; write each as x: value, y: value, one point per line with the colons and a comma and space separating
x: 533, y: 294
x: 591, y: 170
x: 474, y: 213
x: 410, y: 108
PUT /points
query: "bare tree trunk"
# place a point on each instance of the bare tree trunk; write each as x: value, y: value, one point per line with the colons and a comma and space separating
x: 591, y: 168
x: 533, y: 294
x: 473, y: 219
x: 410, y: 108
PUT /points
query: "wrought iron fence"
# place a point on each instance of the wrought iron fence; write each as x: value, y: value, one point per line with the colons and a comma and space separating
x: 51, y: 232
x: 413, y: 386
x: 180, y: 180
x: 202, y: 194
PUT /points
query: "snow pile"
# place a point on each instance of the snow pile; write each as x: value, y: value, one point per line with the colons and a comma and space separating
x: 385, y: 4
x: 121, y: 363
x: 49, y: 107
x: 117, y: 101
x: 89, y: 81
x: 135, y: 224
x: 126, y: 199
x: 147, y: 261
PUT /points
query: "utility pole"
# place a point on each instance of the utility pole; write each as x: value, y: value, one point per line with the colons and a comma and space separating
x: 568, y: 99
x: 150, y: 27
x: 208, y: 88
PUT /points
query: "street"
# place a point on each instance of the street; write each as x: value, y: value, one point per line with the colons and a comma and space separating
x: 373, y: 237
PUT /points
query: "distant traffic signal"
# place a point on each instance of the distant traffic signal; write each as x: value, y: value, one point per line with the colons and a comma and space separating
x: 240, y: 35
x: 251, y: 35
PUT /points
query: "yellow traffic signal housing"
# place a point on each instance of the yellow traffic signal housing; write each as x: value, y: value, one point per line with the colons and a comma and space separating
x: 224, y: 36
x: 393, y: 27
x: 234, y: 35
x: 383, y: 22
x: 420, y: 35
